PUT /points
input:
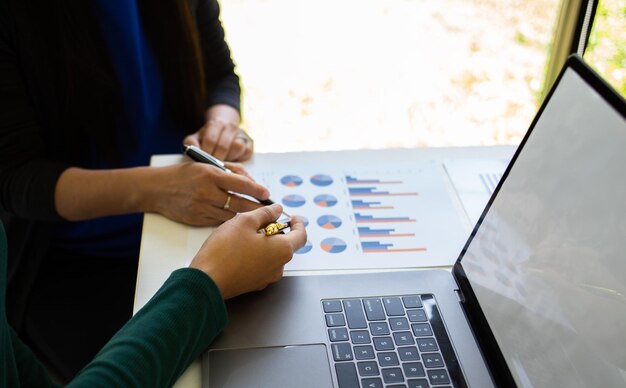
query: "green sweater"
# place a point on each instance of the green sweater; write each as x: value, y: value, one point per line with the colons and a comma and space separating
x: 152, y: 350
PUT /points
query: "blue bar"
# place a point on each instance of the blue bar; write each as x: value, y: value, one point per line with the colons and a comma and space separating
x: 364, y: 217
x: 360, y: 202
x: 351, y: 179
x: 375, y: 245
x: 365, y: 190
x: 365, y: 230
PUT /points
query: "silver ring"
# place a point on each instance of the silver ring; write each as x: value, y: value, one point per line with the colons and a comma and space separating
x: 243, y: 136
x: 227, y: 204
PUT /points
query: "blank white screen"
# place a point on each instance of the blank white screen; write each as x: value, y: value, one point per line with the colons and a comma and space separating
x: 548, y: 263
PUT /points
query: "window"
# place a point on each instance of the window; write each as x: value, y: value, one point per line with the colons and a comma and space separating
x: 606, y: 50
x: 350, y: 74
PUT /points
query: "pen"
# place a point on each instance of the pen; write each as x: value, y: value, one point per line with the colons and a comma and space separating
x: 200, y: 156
x: 275, y: 227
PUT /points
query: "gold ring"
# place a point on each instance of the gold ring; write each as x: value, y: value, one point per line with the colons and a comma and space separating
x: 227, y: 204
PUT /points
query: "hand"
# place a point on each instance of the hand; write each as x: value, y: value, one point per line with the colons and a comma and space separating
x: 240, y: 259
x: 221, y: 136
x: 197, y: 193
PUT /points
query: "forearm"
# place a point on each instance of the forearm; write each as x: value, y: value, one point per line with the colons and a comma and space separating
x: 82, y: 194
x: 163, y: 338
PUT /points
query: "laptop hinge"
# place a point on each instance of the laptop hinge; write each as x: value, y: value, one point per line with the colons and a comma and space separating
x: 459, y: 295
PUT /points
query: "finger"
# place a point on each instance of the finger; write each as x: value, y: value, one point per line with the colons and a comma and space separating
x: 279, y: 274
x: 241, y: 205
x: 247, y: 154
x: 264, y: 216
x: 237, y: 150
x: 212, y: 216
x: 211, y: 135
x: 238, y: 168
x: 192, y: 139
x: 221, y: 215
x: 242, y: 147
x: 241, y: 184
x: 297, y: 235
x: 225, y: 142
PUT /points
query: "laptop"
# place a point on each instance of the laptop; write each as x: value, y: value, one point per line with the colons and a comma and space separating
x: 537, y: 297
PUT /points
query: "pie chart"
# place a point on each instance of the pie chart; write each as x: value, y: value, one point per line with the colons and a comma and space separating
x: 325, y: 200
x: 293, y: 200
x: 321, y: 180
x: 329, y: 221
x: 291, y: 180
x: 305, y: 220
x: 306, y: 248
x: 333, y: 245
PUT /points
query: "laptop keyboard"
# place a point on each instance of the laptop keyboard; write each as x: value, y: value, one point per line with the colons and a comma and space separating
x: 395, y: 341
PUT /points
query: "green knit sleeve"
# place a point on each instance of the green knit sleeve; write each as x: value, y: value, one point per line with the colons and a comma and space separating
x: 163, y: 338
x: 30, y: 372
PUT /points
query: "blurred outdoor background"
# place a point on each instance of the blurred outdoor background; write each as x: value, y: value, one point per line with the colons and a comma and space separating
x: 353, y: 74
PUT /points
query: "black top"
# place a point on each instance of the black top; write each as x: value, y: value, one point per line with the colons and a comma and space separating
x: 29, y: 168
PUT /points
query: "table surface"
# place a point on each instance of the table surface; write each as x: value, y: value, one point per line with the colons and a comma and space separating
x: 164, y: 242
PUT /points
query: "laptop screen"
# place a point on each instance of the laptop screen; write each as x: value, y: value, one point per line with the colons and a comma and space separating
x: 548, y: 263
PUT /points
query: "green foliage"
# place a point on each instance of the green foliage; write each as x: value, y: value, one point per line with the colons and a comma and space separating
x: 606, y: 51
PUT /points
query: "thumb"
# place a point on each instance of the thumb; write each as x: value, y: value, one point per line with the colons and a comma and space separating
x: 265, y: 215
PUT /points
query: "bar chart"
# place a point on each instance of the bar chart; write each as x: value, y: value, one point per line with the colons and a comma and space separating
x: 393, y: 216
x: 398, y: 238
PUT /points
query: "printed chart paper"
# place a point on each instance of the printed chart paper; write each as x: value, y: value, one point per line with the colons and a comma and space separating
x: 362, y: 214
x: 475, y: 180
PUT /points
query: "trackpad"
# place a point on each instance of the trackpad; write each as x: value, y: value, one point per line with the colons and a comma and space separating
x: 293, y: 366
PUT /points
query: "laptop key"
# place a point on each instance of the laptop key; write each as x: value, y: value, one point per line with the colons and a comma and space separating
x: 403, y: 338
x: 422, y: 330
x: 346, y: 375
x: 379, y: 328
x: 374, y: 309
x: 383, y: 343
x: 367, y: 368
x: 412, y: 301
x: 342, y: 351
x: 432, y: 360
x: 354, y: 314
x: 408, y: 353
x: 388, y: 359
x: 413, y: 369
x: 338, y: 334
x: 398, y: 323
x: 418, y: 383
x: 372, y: 383
x: 365, y: 352
x: 360, y: 337
x: 332, y: 306
x: 333, y: 320
x: 427, y: 345
x: 393, y: 306
x: 418, y: 315
x: 392, y: 375
x: 438, y: 376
